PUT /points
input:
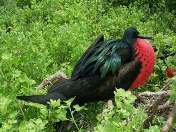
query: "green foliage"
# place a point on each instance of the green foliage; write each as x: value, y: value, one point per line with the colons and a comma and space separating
x: 123, y: 116
x: 33, y: 125
x: 39, y: 37
x: 153, y: 129
x: 173, y: 96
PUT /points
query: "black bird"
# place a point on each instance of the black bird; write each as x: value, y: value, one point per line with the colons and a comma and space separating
x: 106, y: 65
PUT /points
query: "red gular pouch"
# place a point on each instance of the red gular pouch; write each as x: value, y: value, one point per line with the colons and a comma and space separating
x: 145, y: 53
x: 170, y: 71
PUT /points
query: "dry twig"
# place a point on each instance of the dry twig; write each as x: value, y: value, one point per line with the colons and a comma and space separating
x: 170, y: 120
x: 156, y: 102
x: 164, y: 106
x: 159, y: 93
x: 57, y: 76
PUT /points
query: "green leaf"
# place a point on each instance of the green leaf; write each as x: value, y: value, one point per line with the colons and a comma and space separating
x: 4, y: 104
x: 79, y: 108
x: 6, y: 56
x: 60, y: 114
x: 153, y: 129
x: 69, y: 102
x: 54, y: 103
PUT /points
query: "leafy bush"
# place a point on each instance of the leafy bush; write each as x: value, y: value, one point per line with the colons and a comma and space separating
x: 123, y: 116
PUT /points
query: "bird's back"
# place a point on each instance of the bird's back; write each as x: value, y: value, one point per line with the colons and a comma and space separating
x: 103, y: 57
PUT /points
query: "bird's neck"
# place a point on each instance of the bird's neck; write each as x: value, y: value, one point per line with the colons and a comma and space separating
x: 130, y: 46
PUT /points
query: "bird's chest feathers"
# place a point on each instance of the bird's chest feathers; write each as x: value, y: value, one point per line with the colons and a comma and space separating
x: 145, y: 53
x: 108, y: 85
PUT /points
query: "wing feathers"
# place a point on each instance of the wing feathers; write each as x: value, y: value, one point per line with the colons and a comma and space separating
x: 79, y: 65
x: 102, y: 58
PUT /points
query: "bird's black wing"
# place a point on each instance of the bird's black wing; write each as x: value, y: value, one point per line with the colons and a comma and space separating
x: 105, y: 57
x: 77, y: 69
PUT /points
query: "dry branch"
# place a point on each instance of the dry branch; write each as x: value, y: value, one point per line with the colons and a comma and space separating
x: 159, y: 93
x: 157, y: 103
x: 60, y: 75
x: 170, y: 120
x: 164, y: 106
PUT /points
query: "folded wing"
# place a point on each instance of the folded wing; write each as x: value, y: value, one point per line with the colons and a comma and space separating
x: 101, y: 58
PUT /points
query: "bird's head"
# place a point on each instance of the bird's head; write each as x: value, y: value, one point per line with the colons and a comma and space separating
x: 131, y: 34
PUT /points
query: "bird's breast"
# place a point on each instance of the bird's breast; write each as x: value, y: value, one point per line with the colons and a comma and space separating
x: 145, y: 53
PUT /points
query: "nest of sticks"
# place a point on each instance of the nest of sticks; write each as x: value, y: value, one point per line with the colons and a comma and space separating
x: 156, y: 103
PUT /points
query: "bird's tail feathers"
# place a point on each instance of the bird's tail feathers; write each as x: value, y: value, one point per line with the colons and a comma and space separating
x: 41, y: 99
x: 34, y: 98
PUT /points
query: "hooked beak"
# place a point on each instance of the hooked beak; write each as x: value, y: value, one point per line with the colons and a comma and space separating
x: 142, y: 37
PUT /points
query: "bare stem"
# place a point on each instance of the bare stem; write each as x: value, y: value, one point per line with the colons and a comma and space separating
x: 73, y: 119
x: 170, y: 120
x: 21, y: 110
